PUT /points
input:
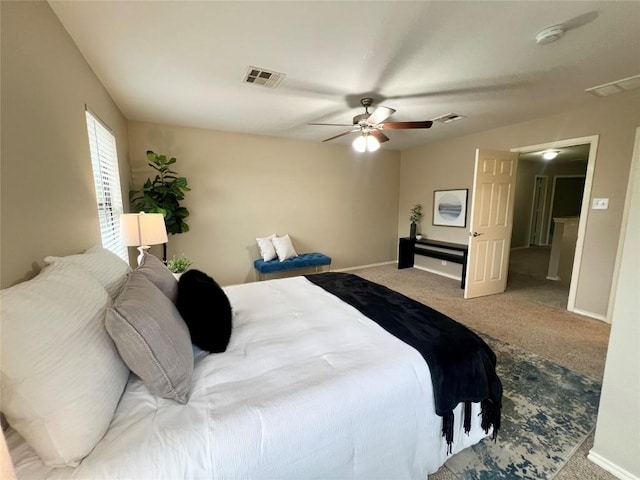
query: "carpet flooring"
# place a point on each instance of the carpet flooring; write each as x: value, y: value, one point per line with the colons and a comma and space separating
x: 530, y: 316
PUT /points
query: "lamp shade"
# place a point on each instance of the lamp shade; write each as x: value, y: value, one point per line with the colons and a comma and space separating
x: 142, y: 229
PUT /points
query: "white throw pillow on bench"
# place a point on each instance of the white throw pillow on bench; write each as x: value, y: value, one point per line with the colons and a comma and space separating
x: 284, y: 247
x: 267, y: 250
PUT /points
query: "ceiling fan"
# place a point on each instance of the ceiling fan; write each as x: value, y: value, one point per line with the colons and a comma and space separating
x: 370, y: 125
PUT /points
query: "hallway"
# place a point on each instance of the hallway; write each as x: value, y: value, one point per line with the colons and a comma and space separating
x: 527, y: 274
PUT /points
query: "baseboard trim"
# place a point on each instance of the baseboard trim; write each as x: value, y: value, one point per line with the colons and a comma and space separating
x: 584, y: 313
x: 612, y: 468
x: 436, y: 272
x: 359, y: 267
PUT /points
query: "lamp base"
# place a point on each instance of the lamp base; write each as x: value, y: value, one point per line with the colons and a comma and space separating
x: 142, y: 249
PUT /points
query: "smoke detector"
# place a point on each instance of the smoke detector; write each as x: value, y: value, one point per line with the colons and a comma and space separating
x: 550, y: 34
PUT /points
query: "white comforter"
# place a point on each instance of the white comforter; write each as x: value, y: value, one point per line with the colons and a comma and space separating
x: 308, y: 388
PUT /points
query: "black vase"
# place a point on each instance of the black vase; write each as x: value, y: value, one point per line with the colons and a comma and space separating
x: 412, y: 233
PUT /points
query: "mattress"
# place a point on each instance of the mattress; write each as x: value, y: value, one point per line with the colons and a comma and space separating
x: 307, y: 388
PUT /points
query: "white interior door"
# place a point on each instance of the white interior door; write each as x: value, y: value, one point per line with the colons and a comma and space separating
x: 491, y: 222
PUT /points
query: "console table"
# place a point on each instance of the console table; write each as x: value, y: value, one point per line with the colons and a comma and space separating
x: 451, y: 252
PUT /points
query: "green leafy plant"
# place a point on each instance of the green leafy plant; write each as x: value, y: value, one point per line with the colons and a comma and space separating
x: 416, y: 214
x: 179, y: 264
x: 163, y: 194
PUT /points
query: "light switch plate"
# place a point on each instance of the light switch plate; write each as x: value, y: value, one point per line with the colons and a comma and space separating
x: 600, y: 203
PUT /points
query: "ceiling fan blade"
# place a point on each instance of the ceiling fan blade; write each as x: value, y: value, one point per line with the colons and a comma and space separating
x: 379, y: 115
x: 342, y: 134
x: 379, y: 135
x: 403, y: 125
x: 333, y: 124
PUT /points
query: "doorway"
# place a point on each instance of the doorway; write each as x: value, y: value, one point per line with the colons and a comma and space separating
x: 520, y: 241
x: 566, y: 198
x: 538, y: 210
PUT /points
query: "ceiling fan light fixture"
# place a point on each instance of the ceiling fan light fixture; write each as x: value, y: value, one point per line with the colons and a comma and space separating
x: 365, y: 143
x: 370, y: 126
x: 372, y: 143
x: 360, y: 144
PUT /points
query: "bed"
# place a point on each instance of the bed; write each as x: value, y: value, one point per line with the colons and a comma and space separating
x: 308, y: 387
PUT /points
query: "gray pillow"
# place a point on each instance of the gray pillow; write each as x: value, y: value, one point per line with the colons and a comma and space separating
x: 152, y: 338
x: 155, y: 270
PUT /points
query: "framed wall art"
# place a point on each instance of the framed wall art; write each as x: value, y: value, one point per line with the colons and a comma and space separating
x: 450, y: 208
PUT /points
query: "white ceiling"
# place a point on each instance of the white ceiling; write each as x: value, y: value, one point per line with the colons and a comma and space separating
x: 183, y: 62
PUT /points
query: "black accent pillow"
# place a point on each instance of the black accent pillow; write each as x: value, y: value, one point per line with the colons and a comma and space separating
x: 205, y: 309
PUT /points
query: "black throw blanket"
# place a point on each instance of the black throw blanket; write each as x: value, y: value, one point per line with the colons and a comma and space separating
x: 462, y: 365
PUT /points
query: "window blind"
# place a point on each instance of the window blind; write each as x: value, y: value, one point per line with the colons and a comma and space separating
x: 106, y: 177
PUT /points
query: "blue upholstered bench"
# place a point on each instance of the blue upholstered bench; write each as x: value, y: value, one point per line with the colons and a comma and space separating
x: 303, y: 260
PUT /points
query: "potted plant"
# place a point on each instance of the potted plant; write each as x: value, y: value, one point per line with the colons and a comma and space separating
x: 416, y: 216
x: 163, y: 195
x: 178, y: 265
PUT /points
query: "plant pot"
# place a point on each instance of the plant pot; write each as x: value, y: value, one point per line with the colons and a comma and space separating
x: 412, y: 233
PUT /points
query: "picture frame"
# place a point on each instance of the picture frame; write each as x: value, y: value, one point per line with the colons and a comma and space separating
x: 450, y: 207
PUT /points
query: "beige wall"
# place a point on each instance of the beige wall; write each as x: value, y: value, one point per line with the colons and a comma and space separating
x: 617, y: 436
x: 47, y: 203
x: 450, y: 164
x: 326, y: 197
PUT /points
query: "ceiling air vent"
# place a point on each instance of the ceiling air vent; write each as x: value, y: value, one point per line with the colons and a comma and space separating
x: 448, y: 118
x: 619, y: 86
x: 266, y: 78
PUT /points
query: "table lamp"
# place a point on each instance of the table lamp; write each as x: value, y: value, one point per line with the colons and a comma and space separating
x: 142, y: 230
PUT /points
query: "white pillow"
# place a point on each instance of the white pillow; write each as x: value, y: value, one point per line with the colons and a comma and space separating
x: 284, y: 247
x: 62, y: 377
x: 267, y: 251
x: 107, y: 267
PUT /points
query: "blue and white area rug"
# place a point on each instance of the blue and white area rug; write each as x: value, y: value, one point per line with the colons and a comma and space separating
x: 547, y: 413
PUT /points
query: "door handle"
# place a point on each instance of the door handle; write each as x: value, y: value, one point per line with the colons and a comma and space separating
x: 476, y: 234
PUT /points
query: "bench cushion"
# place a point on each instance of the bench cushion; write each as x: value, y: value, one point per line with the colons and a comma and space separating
x: 301, y: 261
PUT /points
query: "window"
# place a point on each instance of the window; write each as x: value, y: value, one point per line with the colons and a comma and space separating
x: 104, y: 160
